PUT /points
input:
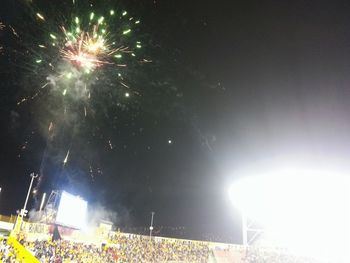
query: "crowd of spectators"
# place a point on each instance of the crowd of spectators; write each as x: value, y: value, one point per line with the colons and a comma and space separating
x: 7, y: 254
x: 261, y: 255
x: 134, y: 248
x: 120, y: 248
x: 181, y: 232
x: 62, y: 251
x: 175, y: 232
x: 129, y: 248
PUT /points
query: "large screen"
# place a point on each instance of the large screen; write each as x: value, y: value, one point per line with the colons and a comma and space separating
x: 71, y: 211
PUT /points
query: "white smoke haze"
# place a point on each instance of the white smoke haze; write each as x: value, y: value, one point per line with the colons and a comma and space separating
x: 98, y: 212
x: 70, y: 82
x: 34, y: 215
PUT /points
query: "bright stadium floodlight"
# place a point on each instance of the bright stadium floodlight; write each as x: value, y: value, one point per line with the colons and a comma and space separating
x: 72, y: 211
x: 307, y: 212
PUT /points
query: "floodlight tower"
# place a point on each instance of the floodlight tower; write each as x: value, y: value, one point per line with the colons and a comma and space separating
x: 250, y: 230
x: 50, y: 208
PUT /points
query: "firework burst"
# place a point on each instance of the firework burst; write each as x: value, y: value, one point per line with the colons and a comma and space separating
x: 85, y: 50
x: 89, y: 50
x: 76, y: 65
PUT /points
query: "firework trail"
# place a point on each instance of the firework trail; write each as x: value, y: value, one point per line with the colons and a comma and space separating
x: 2, y: 27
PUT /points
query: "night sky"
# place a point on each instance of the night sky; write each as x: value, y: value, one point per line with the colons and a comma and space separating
x: 232, y: 83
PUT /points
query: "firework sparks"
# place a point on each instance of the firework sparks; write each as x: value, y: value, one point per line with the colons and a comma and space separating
x: 90, y: 48
x: 66, y: 158
x: 40, y: 16
x: 2, y: 26
x: 50, y: 126
x: 110, y: 144
x: 34, y: 95
x: 14, y: 31
x: 81, y: 47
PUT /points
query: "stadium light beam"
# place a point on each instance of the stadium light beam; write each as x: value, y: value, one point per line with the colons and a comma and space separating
x: 296, y: 210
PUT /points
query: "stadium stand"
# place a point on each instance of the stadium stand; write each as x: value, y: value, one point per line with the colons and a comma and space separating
x: 144, y: 249
x: 122, y: 249
x: 273, y: 255
x: 136, y: 248
x: 34, y: 245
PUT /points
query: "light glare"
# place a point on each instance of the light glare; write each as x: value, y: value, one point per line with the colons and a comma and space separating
x: 71, y: 211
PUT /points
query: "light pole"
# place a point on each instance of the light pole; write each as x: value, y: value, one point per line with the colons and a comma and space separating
x: 42, y: 201
x: 151, y: 227
x: 23, y: 211
x: 30, y: 188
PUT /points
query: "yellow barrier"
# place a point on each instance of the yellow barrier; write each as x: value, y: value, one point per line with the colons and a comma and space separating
x: 17, y: 226
x: 9, y: 219
x: 22, y: 254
